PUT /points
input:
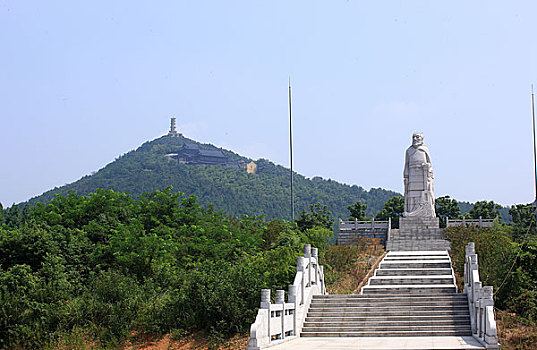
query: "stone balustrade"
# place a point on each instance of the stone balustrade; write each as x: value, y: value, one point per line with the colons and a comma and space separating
x: 468, y: 222
x: 350, y: 232
x: 280, y: 321
x: 480, y: 302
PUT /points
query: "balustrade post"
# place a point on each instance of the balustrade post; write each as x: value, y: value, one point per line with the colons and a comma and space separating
x: 315, y: 254
x: 463, y: 221
x: 265, y: 304
x: 323, y: 290
x: 355, y: 223
x: 372, y: 224
x: 487, y: 300
x: 389, y: 230
x: 300, y: 268
x: 470, y: 248
x: 476, y: 287
x: 480, y: 221
x: 447, y: 221
x: 292, y: 299
x: 480, y: 310
x: 466, y: 269
x: 280, y: 299
x: 307, y: 255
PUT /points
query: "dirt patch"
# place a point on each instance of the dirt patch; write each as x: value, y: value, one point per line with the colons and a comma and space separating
x: 198, y: 340
x: 347, y: 266
x: 514, y: 333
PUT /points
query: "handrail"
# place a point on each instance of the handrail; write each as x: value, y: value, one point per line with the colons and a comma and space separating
x: 284, y: 320
x: 361, y: 224
x: 480, y: 302
x: 467, y: 222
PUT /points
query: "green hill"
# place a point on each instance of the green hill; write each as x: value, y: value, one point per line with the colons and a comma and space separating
x: 228, y: 187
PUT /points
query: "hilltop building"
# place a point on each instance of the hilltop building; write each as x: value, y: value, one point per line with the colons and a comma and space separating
x: 173, y: 131
x: 191, y: 153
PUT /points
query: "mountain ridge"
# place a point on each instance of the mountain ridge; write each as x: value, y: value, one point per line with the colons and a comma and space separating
x: 154, y: 165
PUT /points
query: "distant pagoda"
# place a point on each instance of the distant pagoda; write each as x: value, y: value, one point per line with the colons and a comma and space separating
x: 173, y: 130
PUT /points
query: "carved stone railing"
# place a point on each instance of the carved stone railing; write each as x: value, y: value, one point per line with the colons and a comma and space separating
x: 470, y: 222
x: 349, y: 232
x: 281, y: 321
x: 480, y: 302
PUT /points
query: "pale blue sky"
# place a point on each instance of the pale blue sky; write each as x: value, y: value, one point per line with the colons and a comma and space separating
x: 83, y: 82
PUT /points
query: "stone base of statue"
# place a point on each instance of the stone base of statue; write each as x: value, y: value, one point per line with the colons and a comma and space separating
x: 417, y: 234
x: 408, y: 224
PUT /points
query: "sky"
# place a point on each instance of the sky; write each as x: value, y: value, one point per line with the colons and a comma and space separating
x: 83, y: 82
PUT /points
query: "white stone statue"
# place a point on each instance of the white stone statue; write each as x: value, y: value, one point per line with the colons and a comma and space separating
x: 418, y: 180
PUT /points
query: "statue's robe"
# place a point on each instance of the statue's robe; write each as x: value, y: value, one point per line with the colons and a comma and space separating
x: 419, y: 196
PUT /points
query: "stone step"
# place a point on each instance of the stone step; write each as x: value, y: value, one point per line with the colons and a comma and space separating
x: 417, y: 235
x: 394, y: 328
x: 411, y: 264
x: 436, y: 333
x: 390, y: 297
x: 412, y: 272
x: 389, y: 313
x: 397, y: 280
x: 420, y: 253
x: 348, y: 303
x: 417, y: 245
x: 395, y: 318
x: 409, y: 289
x: 403, y: 309
x: 388, y: 322
x: 413, y: 257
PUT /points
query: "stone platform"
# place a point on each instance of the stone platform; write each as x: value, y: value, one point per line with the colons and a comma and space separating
x: 381, y: 343
x: 417, y: 234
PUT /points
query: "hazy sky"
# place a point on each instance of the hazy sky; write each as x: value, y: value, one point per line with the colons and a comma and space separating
x: 82, y: 82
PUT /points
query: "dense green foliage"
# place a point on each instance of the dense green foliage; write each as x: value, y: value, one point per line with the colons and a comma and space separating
x: 232, y: 190
x: 485, y: 210
x: 319, y: 215
x: 110, y: 264
x: 523, y: 217
x: 392, y: 209
x: 447, y: 207
x: 357, y: 211
x: 507, y: 264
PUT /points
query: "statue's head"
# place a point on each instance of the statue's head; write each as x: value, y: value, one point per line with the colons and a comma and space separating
x: 417, y: 139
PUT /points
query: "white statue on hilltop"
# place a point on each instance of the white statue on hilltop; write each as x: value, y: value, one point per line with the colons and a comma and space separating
x: 418, y: 180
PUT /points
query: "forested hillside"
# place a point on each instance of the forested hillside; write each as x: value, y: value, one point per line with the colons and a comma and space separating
x: 103, y: 267
x: 232, y: 190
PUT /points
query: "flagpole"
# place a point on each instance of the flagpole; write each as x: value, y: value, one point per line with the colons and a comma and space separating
x: 534, y: 148
x: 291, y: 153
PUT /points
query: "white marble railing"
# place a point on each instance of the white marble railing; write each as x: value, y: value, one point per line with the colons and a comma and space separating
x: 480, y: 302
x: 363, y: 225
x: 282, y: 320
x: 467, y: 222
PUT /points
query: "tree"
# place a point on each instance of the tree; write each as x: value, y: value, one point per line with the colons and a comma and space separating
x: 13, y: 216
x: 393, y: 209
x: 447, y: 207
x: 357, y: 211
x: 523, y: 217
x: 1, y: 214
x: 319, y: 215
x: 484, y: 209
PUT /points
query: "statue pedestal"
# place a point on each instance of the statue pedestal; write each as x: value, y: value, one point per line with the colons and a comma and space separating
x: 417, y: 233
x: 408, y: 223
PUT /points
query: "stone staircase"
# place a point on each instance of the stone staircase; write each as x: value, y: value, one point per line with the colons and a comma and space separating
x: 412, y: 293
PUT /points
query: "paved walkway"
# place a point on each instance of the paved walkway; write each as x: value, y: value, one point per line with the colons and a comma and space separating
x: 380, y: 343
